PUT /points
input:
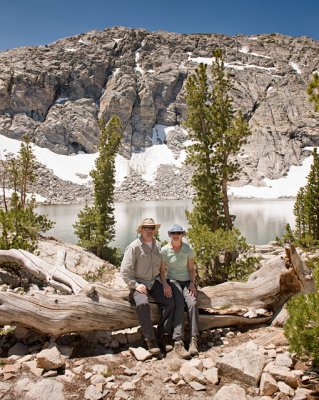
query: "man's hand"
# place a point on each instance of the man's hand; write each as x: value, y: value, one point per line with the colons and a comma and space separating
x: 167, y: 290
x: 192, y: 289
x: 141, y: 288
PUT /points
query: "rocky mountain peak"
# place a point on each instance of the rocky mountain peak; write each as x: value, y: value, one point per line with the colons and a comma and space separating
x: 57, y: 92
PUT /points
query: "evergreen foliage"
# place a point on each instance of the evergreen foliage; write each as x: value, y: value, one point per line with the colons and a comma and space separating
x: 313, y: 91
x: 217, y: 132
x: 95, y: 225
x: 302, y: 326
x: 306, y: 207
x: 19, y: 224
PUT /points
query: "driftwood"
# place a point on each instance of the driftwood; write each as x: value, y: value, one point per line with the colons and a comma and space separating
x: 97, y: 307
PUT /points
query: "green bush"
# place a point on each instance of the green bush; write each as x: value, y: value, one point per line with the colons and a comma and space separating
x: 302, y: 327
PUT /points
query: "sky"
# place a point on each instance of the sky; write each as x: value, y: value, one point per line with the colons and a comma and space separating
x: 39, y: 22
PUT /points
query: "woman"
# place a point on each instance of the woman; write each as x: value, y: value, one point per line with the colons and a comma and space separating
x: 178, y: 259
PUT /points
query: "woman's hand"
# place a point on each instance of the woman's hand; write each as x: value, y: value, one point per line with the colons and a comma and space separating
x: 192, y: 289
x: 167, y: 290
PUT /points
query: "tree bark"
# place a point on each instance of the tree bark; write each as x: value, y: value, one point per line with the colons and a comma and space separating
x: 97, y: 307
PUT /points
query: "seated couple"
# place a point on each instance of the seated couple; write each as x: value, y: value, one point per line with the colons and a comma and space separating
x: 166, y: 274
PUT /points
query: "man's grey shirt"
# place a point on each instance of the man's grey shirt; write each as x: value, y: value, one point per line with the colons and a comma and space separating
x: 141, y: 264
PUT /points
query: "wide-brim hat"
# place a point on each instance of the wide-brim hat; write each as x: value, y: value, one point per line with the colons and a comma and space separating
x: 148, y: 222
x: 176, y: 228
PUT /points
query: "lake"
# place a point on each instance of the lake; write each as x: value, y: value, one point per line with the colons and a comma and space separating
x: 260, y: 221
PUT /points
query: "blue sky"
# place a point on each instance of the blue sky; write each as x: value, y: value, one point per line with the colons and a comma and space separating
x: 35, y: 22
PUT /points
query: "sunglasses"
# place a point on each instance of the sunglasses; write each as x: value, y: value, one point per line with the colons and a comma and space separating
x: 148, y: 228
x: 177, y: 233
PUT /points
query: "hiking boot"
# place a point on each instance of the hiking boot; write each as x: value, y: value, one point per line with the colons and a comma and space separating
x: 180, y: 350
x: 193, y: 347
x: 165, y: 343
x: 153, y: 346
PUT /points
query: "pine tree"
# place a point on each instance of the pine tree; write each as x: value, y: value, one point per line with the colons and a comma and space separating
x: 19, y: 224
x: 217, y: 133
x: 313, y: 91
x: 299, y: 212
x: 95, y: 227
x: 306, y: 207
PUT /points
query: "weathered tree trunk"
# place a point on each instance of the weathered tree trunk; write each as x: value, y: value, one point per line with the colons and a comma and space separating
x: 97, y: 307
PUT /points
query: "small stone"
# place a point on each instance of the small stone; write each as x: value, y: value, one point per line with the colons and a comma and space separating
x: 175, y: 378
x: 129, y: 372
x: 50, y: 374
x: 128, y: 386
x: 197, y: 386
x: 78, y: 370
x: 140, y: 353
x: 120, y: 394
x: 211, y: 375
x: 284, y: 388
x: 91, y: 393
x: 208, y: 363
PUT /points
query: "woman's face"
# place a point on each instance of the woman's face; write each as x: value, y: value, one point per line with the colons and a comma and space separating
x: 176, y: 237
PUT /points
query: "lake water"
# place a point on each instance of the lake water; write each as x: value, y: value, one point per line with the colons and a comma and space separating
x: 260, y: 221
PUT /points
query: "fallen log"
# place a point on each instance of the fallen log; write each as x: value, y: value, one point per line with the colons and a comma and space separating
x: 97, y: 307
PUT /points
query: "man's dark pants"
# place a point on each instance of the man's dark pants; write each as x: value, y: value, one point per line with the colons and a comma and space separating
x: 143, y: 310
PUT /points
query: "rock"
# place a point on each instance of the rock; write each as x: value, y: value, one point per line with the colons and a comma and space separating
x: 46, y: 389
x: 91, y: 393
x: 284, y: 359
x: 129, y: 371
x: 268, y: 385
x: 98, y: 378
x: 175, y: 378
x: 128, y: 386
x: 58, y: 92
x: 190, y: 374
x: 281, y: 374
x: 120, y: 394
x: 208, y: 363
x: 301, y: 394
x: 245, y: 363
x: 230, y: 392
x: 140, y: 353
x: 284, y: 388
x: 197, y: 363
x: 11, y: 368
x: 211, y: 375
x: 18, y: 349
x: 4, y: 388
x: 50, y: 359
x: 32, y: 365
x: 197, y: 386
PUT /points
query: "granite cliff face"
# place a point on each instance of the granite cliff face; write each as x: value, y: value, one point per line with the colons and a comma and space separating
x: 57, y: 92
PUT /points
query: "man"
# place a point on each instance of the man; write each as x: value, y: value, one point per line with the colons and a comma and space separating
x: 140, y: 270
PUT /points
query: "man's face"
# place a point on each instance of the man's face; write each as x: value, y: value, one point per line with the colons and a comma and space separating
x: 148, y: 232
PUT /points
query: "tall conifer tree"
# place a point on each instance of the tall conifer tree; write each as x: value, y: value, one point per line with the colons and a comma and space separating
x: 95, y: 227
x: 306, y: 208
x: 313, y: 91
x: 217, y: 133
x: 20, y: 225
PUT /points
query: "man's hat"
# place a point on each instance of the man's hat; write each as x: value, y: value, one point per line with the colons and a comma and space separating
x: 148, y: 222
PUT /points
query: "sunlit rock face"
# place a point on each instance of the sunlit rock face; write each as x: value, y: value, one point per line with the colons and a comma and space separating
x: 56, y: 93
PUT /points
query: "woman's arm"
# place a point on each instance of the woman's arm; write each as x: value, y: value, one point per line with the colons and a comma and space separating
x: 166, y: 287
x: 192, y: 275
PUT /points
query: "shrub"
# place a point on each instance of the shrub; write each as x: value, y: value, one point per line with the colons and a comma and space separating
x: 302, y: 327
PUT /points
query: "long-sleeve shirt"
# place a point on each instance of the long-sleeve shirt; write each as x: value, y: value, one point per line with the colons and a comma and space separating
x: 141, y: 264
